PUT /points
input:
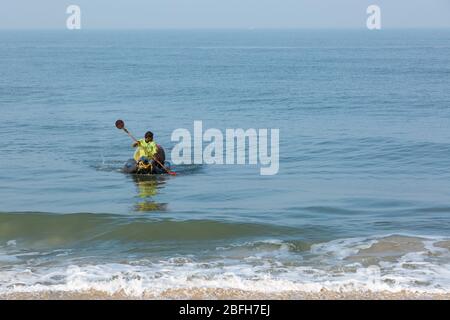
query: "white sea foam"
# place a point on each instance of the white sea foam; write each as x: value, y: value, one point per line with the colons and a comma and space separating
x: 11, y: 243
x: 337, y: 266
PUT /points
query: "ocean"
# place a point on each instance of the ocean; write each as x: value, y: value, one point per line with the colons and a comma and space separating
x: 360, y: 206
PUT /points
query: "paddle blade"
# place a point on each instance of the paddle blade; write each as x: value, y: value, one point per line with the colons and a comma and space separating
x: 120, y: 124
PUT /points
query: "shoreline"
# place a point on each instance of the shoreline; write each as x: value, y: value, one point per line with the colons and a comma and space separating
x: 225, y: 294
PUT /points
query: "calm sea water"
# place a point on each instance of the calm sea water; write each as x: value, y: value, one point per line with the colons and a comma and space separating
x: 361, y: 201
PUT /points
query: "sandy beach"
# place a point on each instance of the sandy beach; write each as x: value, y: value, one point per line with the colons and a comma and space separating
x: 222, y: 294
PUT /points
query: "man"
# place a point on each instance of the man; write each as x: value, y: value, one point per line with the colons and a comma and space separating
x: 147, y: 147
x: 148, y: 150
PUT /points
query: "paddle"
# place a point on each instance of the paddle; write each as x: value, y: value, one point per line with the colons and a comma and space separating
x: 121, y: 126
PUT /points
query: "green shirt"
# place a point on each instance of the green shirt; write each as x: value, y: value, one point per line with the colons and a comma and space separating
x: 150, y: 148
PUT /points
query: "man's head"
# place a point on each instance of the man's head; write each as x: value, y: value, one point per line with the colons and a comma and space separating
x: 148, y: 136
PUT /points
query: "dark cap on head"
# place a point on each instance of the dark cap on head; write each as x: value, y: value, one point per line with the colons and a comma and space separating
x: 149, y: 134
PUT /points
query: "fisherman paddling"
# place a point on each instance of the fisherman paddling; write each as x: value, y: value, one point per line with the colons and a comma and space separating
x: 149, y: 153
x: 148, y: 158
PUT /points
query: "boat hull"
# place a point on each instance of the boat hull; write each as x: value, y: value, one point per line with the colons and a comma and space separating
x: 132, y: 167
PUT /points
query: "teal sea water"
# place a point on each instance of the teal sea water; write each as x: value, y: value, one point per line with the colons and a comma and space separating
x: 361, y: 201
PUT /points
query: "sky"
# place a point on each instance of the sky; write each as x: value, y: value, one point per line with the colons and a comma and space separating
x: 242, y: 14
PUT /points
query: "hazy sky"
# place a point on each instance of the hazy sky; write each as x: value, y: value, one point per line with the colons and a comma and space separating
x: 119, y: 14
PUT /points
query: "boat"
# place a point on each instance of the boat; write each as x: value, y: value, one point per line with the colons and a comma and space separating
x: 141, y: 165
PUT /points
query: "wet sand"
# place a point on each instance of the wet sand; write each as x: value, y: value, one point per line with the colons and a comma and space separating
x: 226, y: 294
